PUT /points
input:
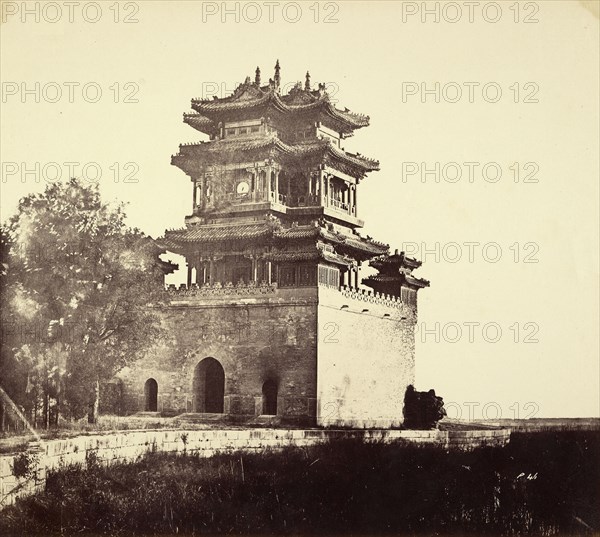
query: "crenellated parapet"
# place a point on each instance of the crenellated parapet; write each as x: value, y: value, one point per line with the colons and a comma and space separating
x: 371, y: 297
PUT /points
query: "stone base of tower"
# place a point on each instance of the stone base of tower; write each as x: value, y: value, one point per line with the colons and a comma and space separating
x: 291, y: 356
x: 365, y: 359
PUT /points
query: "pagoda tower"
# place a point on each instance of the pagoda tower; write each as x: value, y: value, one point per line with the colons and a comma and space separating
x: 274, y: 194
x: 272, y: 322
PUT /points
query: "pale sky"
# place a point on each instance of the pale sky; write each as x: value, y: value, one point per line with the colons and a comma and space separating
x: 370, y: 58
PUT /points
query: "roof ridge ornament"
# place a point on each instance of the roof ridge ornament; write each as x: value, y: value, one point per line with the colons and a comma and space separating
x: 307, y: 81
x: 257, y: 76
x: 277, y: 76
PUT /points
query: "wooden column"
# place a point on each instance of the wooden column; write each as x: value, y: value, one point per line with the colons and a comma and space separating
x: 189, y: 274
x: 201, y: 185
x: 199, y: 273
x: 252, y: 181
x: 267, y: 185
x: 320, y: 187
x: 211, y: 271
x: 206, y: 190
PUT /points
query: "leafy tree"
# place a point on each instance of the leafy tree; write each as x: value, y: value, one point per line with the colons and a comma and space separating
x: 81, y: 288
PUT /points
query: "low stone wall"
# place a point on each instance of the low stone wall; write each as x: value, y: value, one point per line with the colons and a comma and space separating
x: 534, y: 425
x: 128, y: 446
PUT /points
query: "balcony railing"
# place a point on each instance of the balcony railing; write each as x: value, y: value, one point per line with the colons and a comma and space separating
x: 339, y: 205
x: 234, y: 197
x: 222, y: 290
x: 308, y: 200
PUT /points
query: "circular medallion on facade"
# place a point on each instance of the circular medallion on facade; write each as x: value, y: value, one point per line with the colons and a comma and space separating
x: 243, y: 188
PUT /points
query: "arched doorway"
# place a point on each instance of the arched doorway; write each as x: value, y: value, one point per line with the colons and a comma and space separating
x: 151, y: 395
x: 269, y: 401
x: 209, y: 386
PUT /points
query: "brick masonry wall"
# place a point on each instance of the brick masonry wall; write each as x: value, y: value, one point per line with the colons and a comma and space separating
x: 341, y: 358
x: 365, y: 359
x: 130, y: 446
x: 253, y: 339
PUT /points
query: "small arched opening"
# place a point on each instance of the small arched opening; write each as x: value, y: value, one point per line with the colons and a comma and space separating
x: 151, y: 395
x: 269, y: 402
x: 209, y: 386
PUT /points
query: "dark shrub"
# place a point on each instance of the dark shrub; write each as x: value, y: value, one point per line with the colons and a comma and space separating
x: 422, y: 410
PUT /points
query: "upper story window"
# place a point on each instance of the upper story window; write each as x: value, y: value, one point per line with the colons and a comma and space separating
x: 242, y: 128
x: 329, y: 136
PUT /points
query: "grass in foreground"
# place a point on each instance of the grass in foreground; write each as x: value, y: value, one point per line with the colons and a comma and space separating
x: 543, y: 483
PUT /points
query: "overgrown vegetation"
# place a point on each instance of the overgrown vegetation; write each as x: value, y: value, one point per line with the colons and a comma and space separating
x: 543, y: 483
x: 75, y: 284
x: 23, y: 465
x: 422, y: 410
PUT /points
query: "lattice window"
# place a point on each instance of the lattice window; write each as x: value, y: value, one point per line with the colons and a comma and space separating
x: 329, y: 276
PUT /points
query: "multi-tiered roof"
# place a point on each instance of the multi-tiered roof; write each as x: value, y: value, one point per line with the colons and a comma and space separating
x: 297, y: 207
x: 286, y: 115
x: 394, y: 272
x: 271, y: 146
x: 344, y: 247
x: 250, y: 99
x: 285, y: 118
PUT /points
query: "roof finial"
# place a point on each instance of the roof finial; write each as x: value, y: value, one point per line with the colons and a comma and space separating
x: 307, y: 82
x: 257, y: 76
x: 277, y: 78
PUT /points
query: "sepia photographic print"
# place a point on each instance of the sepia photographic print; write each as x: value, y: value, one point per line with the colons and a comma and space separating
x: 299, y: 268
